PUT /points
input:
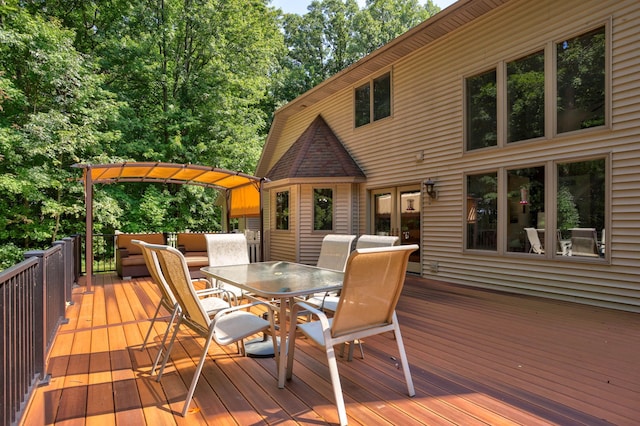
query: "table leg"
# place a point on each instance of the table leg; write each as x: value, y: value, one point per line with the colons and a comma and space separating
x: 282, y: 361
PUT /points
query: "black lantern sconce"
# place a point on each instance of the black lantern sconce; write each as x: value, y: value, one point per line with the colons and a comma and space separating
x: 430, y: 187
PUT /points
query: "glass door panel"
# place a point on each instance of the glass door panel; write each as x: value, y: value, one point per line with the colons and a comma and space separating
x: 396, y: 211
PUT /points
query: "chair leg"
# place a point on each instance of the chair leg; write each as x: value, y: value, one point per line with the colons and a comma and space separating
x: 196, y: 375
x: 168, y: 352
x: 337, y: 387
x: 403, y: 357
x: 176, y: 309
x: 153, y: 320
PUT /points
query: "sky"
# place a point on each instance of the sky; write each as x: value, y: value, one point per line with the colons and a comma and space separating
x: 300, y: 6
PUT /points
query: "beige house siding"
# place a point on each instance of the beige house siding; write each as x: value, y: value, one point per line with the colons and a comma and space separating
x: 310, y: 240
x: 427, y: 116
x: 283, y: 244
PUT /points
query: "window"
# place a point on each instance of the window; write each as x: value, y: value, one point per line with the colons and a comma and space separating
x: 525, y: 98
x: 322, y: 209
x: 372, y: 105
x: 481, y: 111
x: 580, y: 98
x: 482, y: 211
x: 580, y: 207
x: 525, y: 208
x: 282, y: 210
x: 581, y: 81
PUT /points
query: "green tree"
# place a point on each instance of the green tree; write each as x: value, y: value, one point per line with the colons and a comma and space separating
x: 55, y: 113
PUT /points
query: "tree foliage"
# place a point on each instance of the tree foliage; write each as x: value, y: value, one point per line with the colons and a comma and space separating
x: 186, y: 81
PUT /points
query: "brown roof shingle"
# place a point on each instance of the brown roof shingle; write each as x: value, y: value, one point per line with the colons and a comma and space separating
x: 317, y: 153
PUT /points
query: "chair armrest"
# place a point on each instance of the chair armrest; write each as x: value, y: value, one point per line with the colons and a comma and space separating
x: 239, y: 307
x: 324, y: 320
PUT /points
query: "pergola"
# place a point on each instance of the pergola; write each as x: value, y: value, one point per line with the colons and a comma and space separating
x: 241, y: 191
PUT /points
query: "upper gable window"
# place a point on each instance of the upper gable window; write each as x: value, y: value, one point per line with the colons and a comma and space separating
x: 525, y: 98
x: 373, y: 100
x: 581, y: 81
x: 481, y: 110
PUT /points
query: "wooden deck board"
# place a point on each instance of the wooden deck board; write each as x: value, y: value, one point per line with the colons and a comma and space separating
x: 477, y: 357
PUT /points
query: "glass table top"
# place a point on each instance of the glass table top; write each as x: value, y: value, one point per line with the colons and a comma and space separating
x: 277, y: 279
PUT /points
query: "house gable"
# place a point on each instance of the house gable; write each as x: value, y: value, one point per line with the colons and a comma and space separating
x: 317, y: 153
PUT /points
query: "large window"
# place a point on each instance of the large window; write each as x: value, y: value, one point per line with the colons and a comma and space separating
x: 581, y: 81
x: 482, y: 211
x: 580, y: 95
x: 481, y: 110
x: 525, y: 209
x: 373, y: 100
x: 525, y: 98
x: 322, y: 209
x: 580, y: 207
x: 282, y: 210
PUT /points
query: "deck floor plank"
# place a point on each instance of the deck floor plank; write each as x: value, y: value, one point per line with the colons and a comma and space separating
x: 477, y: 357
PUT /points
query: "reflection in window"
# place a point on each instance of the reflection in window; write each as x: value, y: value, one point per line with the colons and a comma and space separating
x: 282, y: 210
x: 581, y: 81
x: 379, y: 97
x: 581, y: 207
x: 322, y: 209
x: 481, y: 117
x: 525, y: 206
x: 362, y: 105
x: 382, y: 213
x: 525, y: 98
x: 482, y: 211
x: 382, y: 97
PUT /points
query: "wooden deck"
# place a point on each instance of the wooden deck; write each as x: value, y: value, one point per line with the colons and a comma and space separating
x: 477, y: 357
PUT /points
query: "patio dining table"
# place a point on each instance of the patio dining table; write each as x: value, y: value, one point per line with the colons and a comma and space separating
x: 278, y: 280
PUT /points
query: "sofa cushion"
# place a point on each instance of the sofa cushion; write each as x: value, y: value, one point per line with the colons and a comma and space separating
x: 124, y: 241
x: 192, y: 242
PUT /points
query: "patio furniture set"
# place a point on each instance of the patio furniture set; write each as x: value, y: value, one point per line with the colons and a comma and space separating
x: 351, y: 295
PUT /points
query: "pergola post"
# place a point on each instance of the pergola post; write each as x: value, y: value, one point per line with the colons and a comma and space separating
x: 88, y: 244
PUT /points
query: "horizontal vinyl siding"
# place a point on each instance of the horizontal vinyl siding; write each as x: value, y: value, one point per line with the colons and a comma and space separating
x: 283, y: 245
x: 428, y: 117
x: 588, y: 282
x: 310, y: 240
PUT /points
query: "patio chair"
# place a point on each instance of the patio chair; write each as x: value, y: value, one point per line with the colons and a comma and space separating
x: 534, y: 241
x: 372, y: 285
x: 167, y: 300
x: 329, y: 302
x: 581, y: 246
x: 335, y: 251
x: 584, y: 242
x: 369, y: 241
x: 228, y: 326
x: 227, y: 249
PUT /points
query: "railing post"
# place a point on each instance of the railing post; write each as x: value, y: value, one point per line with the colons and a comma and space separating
x: 40, y: 311
x: 67, y: 265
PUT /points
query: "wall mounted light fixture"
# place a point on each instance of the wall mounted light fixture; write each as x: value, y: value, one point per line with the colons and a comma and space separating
x: 430, y: 187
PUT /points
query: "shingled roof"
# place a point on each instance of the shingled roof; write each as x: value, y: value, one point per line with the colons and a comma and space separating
x: 316, y: 154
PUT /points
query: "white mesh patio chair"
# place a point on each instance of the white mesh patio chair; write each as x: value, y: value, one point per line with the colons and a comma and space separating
x: 372, y: 285
x: 534, y: 241
x: 227, y: 249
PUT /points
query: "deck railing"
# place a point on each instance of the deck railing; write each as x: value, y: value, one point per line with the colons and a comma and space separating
x: 33, y: 298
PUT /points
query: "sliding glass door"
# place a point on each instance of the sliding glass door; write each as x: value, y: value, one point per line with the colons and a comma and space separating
x: 396, y: 211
